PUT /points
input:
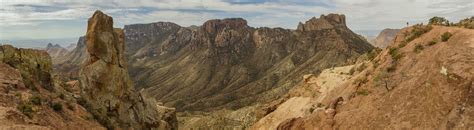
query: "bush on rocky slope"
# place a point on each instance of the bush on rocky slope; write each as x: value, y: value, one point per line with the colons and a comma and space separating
x: 418, y: 48
x: 417, y: 31
x: 432, y: 42
x: 445, y: 37
x: 441, y: 21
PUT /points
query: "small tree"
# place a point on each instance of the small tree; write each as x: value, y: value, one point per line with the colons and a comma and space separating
x: 466, y: 23
x: 438, y: 21
x: 57, y: 106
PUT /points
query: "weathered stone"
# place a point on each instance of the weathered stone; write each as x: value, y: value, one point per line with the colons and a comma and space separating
x: 106, y: 85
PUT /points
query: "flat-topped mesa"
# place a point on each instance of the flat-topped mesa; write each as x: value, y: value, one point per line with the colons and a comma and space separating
x: 150, y: 26
x: 212, y: 26
x: 323, y: 22
x: 106, y: 85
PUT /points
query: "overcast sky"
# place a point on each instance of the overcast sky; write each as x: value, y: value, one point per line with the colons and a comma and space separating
x: 46, y: 19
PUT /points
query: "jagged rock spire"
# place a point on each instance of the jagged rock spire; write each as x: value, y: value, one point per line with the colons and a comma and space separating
x: 106, y: 85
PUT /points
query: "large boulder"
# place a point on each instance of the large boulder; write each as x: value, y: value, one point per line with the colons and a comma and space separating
x: 106, y: 85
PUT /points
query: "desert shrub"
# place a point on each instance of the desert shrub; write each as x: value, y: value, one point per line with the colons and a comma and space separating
x: 26, y: 109
x: 57, y: 106
x: 418, y: 48
x: 445, y: 37
x: 320, y: 105
x: 88, y: 117
x: 363, y: 92
x: 383, y: 79
x: 396, y: 56
x: 392, y: 51
x: 311, y: 109
x: 35, y: 100
x: 361, y: 80
x: 391, y: 68
x: 432, y: 42
x: 81, y: 101
x: 417, y: 31
x: 61, y: 96
x: 18, y: 95
x: 402, y: 44
x: 361, y: 67
x: 375, y: 64
x: 372, y: 54
x: 70, y: 106
x: 438, y: 21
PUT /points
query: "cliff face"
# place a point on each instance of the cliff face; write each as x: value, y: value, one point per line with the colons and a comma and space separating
x: 423, y: 82
x: 106, y: 86
x: 385, y: 38
x: 227, y: 64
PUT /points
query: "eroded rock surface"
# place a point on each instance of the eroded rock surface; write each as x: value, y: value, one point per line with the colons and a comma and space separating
x: 106, y: 85
x: 405, y: 87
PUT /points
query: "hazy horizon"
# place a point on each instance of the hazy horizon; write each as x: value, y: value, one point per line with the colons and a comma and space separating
x: 51, y: 19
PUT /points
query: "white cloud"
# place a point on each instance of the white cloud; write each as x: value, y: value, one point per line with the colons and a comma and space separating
x: 360, y: 14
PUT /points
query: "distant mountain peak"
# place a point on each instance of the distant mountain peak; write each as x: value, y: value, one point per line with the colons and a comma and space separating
x: 50, y: 45
x: 323, y: 22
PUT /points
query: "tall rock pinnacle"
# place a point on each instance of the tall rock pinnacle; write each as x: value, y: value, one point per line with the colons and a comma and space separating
x: 106, y: 85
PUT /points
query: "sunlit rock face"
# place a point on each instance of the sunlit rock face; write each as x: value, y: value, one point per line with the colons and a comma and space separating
x: 106, y: 85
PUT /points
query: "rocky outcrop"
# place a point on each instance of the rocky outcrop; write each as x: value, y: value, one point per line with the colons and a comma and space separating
x: 31, y: 98
x: 302, y: 100
x: 385, y: 38
x: 106, y: 85
x: 405, y: 87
